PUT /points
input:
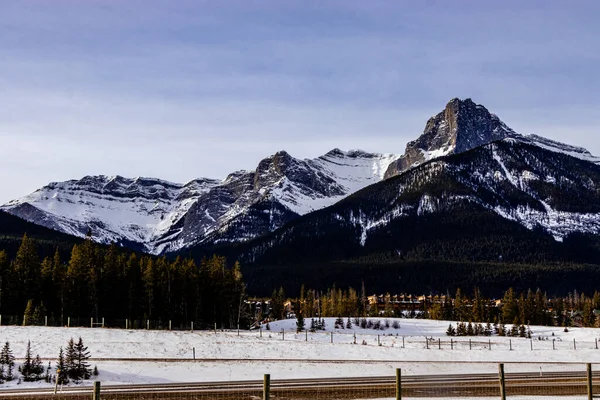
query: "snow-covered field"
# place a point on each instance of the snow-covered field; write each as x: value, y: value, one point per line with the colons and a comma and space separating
x: 167, y: 356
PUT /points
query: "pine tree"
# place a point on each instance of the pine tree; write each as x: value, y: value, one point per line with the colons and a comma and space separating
x: 62, y: 373
x: 83, y: 355
x: 450, y: 331
x: 37, y: 368
x: 29, y: 313
x: 299, y: 321
x: 470, y: 331
x: 95, y: 372
x: 47, y: 376
x: 70, y: 362
x: 8, y: 361
x: 26, y: 369
x: 348, y: 324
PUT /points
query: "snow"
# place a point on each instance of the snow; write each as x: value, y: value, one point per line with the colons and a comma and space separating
x: 166, y: 356
x: 144, y: 210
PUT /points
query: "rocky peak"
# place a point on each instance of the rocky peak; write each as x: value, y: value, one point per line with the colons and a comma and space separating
x: 461, y: 126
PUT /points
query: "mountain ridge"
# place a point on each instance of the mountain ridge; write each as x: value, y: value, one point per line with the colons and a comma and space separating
x: 162, y: 216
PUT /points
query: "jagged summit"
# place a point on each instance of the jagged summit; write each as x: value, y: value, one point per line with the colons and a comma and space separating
x: 162, y: 216
x: 165, y: 216
x: 461, y: 126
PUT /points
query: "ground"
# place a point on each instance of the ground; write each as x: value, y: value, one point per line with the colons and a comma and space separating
x: 167, y: 356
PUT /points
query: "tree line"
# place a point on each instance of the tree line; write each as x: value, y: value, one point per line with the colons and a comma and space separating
x: 517, y: 308
x: 107, y: 281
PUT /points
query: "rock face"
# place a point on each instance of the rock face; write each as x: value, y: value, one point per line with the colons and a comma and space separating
x: 461, y: 126
x: 160, y: 216
x: 472, y: 205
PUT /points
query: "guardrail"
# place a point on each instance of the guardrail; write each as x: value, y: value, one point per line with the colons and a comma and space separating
x: 569, y: 382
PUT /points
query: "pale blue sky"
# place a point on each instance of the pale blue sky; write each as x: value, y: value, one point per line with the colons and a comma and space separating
x: 182, y: 89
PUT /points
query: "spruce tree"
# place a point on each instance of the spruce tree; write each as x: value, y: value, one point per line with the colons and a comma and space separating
x: 470, y: 331
x: 62, y: 373
x: 47, y: 376
x: 7, y: 360
x: 26, y: 369
x: 299, y: 322
x: 71, y: 361
x: 348, y: 324
x: 37, y: 369
x: 28, y: 316
x: 83, y: 355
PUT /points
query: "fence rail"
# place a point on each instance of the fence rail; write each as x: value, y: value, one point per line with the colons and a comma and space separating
x: 576, y: 382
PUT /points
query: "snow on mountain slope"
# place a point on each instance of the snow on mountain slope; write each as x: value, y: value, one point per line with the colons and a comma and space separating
x: 113, y: 208
x: 161, y: 216
x: 464, y: 125
x: 164, y: 216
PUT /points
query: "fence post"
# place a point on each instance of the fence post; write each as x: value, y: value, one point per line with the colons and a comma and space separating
x: 426, y: 342
x: 490, y: 343
x: 0, y: 319
x: 451, y: 344
x: 502, y: 382
x: 68, y: 322
x: 126, y: 323
x: 238, y: 326
x: 378, y: 341
x: 96, y: 395
x: 510, y: 344
x: 439, y: 343
x: 531, y: 344
x: 267, y: 387
x: 331, y: 337
x: 553, y: 348
x: 215, y: 328
x: 169, y: 324
x: 470, y: 346
x: 194, y: 352
x: 574, y: 344
x: 282, y: 334
x: 398, y: 384
x: 103, y: 322
x: 148, y: 324
x: 589, y: 382
x: 596, y: 343
x: 92, y: 322
x: 192, y: 326
x: 46, y: 322
x: 402, y: 340
x: 260, y: 330
x: 306, y: 334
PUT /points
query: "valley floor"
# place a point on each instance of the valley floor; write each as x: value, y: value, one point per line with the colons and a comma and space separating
x: 142, y: 356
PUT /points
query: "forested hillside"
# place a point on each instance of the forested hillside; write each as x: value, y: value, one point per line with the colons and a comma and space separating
x: 115, y: 284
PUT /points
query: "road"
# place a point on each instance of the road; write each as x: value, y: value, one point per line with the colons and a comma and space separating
x: 442, y: 386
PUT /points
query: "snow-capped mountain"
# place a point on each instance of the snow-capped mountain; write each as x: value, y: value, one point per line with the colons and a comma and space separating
x: 464, y: 125
x: 162, y: 216
x: 508, y: 197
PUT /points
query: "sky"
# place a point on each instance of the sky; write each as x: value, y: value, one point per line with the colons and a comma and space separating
x: 185, y: 89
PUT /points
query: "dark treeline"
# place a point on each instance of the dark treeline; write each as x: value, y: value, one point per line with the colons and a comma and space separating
x: 109, y: 282
x: 518, y: 308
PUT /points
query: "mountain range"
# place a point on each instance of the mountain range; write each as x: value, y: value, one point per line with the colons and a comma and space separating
x: 467, y: 165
